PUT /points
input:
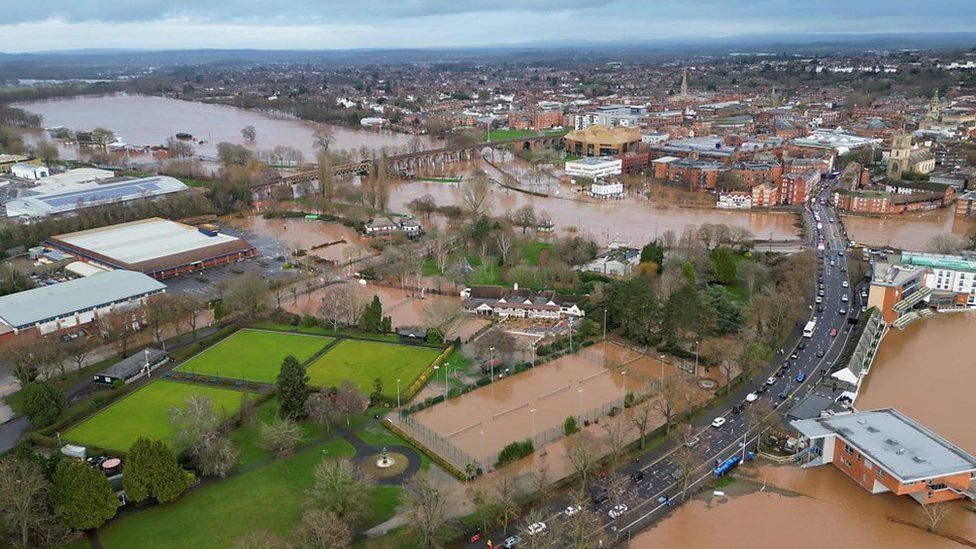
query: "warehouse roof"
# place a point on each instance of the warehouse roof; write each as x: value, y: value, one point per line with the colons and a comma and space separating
x: 97, y: 194
x: 146, y: 239
x: 27, y: 308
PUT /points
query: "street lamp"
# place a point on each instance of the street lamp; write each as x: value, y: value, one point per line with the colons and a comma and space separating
x: 604, y: 324
x: 696, y: 357
x: 446, y: 364
x: 661, y: 357
x: 580, y: 392
x: 532, y: 413
x: 624, y: 374
x: 398, y: 400
x: 491, y: 362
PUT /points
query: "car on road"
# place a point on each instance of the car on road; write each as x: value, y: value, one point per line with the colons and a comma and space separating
x: 801, y: 377
x: 770, y: 380
x: 801, y: 345
x: 845, y: 284
x: 511, y: 542
x: 473, y: 535
x: 842, y: 311
x: 779, y: 373
x: 819, y: 299
x: 795, y: 355
x: 718, y: 422
x: 637, y: 477
x: 572, y: 510
x: 739, y: 408
x: 618, y: 510
x: 752, y: 397
x: 692, y: 442
x: 844, y: 298
x: 820, y: 308
x: 820, y: 353
x: 784, y: 394
x: 536, y: 528
x: 600, y: 498
x: 762, y: 389
x: 833, y: 332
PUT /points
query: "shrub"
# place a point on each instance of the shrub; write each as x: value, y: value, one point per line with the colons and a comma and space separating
x: 570, y: 426
x: 515, y: 451
x: 482, y: 381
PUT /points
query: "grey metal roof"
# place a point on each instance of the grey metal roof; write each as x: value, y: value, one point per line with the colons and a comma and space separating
x: 97, y: 194
x: 27, y: 308
x: 898, y: 444
x: 131, y: 365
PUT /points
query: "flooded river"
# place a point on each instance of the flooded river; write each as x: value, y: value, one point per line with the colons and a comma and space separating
x: 928, y: 372
x: 634, y: 219
x: 142, y: 120
x: 803, y: 508
x: 910, y: 231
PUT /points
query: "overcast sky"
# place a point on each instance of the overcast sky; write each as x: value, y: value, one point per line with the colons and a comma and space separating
x: 37, y: 25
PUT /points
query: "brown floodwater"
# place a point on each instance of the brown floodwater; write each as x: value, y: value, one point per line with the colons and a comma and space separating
x: 143, y: 120
x: 634, y: 219
x: 911, y: 231
x: 928, y: 372
x: 337, y: 242
x: 806, y: 508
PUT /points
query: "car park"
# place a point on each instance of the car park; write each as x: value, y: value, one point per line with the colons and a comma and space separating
x: 751, y: 397
x: 718, y: 422
x: 572, y: 510
x: 618, y: 510
x: 536, y: 528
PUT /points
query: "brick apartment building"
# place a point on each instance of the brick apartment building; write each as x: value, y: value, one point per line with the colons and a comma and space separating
x: 885, y: 451
x: 795, y: 187
x: 535, y: 119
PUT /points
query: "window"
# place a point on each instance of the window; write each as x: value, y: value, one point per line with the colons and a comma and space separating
x: 848, y: 449
x: 881, y: 474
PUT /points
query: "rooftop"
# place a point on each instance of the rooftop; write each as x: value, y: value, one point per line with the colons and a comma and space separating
x: 893, y: 274
x: 898, y: 444
x: 962, y: 262
x: 24, y: 309
x: 143, y: 240
x: 93, y: 194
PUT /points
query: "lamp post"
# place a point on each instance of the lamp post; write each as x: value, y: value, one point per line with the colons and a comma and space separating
x: 446, y: 364
x: 624, y: 374
x: 604, y: 324
x: 580, y: 392
x: 697, y: 343
x: 532, y: 413
x: 491, y: 362
x: 661, y: 357
x: 398, y: 400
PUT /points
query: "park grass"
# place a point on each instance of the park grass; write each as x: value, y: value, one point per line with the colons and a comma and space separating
x: 253, y: 355
x: 502, y: 134
x: 324, y: 331
x: 361, y: 362
x: 267, y: 498
x: 247, y: 439
x: 532, y: 251
x: 145, y: 412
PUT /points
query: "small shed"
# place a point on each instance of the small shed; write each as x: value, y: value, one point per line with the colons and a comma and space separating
x: 132, y: 368
x: 412, y: 334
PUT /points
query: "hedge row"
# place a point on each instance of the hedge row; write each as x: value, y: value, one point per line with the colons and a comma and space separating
x: 424, y: 376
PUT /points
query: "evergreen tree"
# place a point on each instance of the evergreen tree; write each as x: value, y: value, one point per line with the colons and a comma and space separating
x: 292, y: 388
x: 81, y: 497
x: 43, y: 402
x: 723, y: 262
x: 652, y: 253
x: 372, y: 317
x: 387, y: 325
x: 152, y: 470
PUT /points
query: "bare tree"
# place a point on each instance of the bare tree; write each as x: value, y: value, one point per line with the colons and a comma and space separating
x: 425, y: 506
x: 24, y: 509
x: 505, y: 494
x: 441, y: 248
x: 280, y: 436
x: 249, y: 133
x: 583, y: 529
x: 343, y: 489
x: 28, y: 357
x: 161, y: 311
x: 761, y: 419
x: 583, y: 451
x: 671, y: 400
x: 119, y: 327
x: 542, y: 482
x: 544, y: 540
x: 78, y: 351
x: 614, y: 485
x: 247, y: 295
x: 341, y: 305
x: 946, y: 244
x: 524, y: 217
x: 442, y: 316
x: 475, y: 194
x: 686, y: 459
x: 322, y: 529
x: 196, y: 426
x: 323, y: 138
x: 933, y: 514
x: 320, y: 409
x: 349, y: 400
x: 618, y: 433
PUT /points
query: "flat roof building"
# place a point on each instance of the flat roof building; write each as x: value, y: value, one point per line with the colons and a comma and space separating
x: 71, y: 304
x: 157, y: 247
x: 132, y: 368
x: 594, y: 167
x: 94, y: 193
x: 885, y: 451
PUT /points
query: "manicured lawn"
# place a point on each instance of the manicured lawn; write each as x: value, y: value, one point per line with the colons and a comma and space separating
x: 531, y: 251
x: 146, y: 413
x: 500, y: 135
x: 363, y: 361
x: 323, y: 330
x: 267, y: 498
x: 254, y: 355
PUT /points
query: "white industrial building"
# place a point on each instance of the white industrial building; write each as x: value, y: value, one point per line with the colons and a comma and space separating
x: 70, y: 196
x: 27, y: 170
x: 594, y: 167
x: 50, y: 309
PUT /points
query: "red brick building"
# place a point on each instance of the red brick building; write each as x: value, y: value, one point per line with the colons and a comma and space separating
x: 534, y: 119
x: 795, y: 187
x: 885, y: 451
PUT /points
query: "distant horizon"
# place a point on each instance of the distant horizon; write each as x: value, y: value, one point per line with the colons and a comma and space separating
x: 45, y: 26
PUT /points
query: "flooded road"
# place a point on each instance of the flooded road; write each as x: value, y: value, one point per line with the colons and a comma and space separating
x: 928, y: 372
x: 804, y: 508
x: 634, y: 219
x: 332, y: 241
x: 910, y: 231
x: 143, y: 120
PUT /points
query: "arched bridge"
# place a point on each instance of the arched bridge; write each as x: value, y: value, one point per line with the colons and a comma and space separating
x: 408, y: 161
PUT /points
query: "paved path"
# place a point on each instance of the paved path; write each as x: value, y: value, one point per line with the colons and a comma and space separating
x: 365, y: 451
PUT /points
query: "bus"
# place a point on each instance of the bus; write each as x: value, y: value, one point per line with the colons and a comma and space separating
x: 809, y: 328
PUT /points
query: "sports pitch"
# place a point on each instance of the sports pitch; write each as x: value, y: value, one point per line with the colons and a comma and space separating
x: 363, y: 361
x: 254, y: 355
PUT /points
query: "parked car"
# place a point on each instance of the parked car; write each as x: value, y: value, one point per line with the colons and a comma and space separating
x: 600, y: 498
x: 770, y: 380
x: 820, y: 353
x: 779, y: 373
x: 833, y: 332
x: 536, y: 528
x: 692, y: 442
x: 618, y: 510
x: 572, y: 510
x: 845, y: 284
x: 762, y: 389
x: 784, y: 394
x: 473, y: 535
x: 637, y: 477
x: 739, y: 408
x: 752, y: 397
x: 801, y: 377
x: 718, y: 422
x: 511, y: 542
